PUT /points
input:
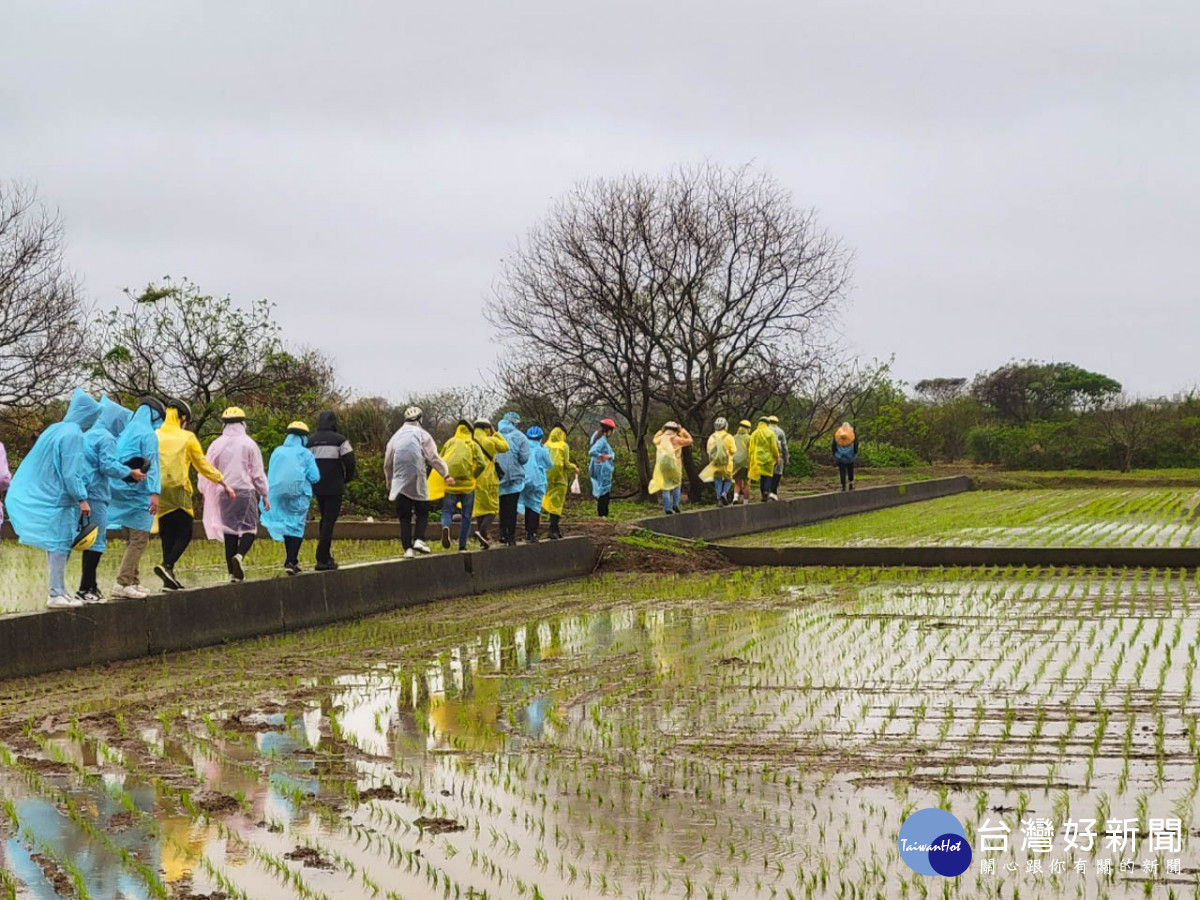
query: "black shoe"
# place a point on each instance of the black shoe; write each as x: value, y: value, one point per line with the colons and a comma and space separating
x: 292, y: 568
x: 531, y: 538
x: 446, y: 538
x: 667, y: 512
x: 235, y: 567
x: 676, y: 511
x: 852, y: 485
x: 328, y: 566
x: 170, y: 582
x: 483, y: 542
x: 555, y: 536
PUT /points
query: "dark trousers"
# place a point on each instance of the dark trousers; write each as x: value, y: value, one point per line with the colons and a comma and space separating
x: 533, y: 521
x: 555, y: 531
x: 508, y: 517
x: 330, y: 507
x: 291, y: 546
x: 91, y: 563
x: 405, y: 509
x: 235, y: 544
x: 767, y: 485
x: 602, y: 504
x: 846, y: 471
x: 483, y: 523
x: 175, y: 533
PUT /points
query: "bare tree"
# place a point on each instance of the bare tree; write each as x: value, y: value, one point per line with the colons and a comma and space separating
x: 1129, y: 423
x: 173, y: 341
x: 690, y: 292
x: 41, y: 338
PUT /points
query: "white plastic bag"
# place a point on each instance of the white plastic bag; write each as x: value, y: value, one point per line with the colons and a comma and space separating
x: 575, y: 488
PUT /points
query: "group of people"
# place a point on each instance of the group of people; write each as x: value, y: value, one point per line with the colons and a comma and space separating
x: 104, y: 467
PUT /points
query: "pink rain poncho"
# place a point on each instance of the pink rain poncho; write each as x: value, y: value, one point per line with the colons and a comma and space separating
x: 5, y: 478
x: 238, y: 458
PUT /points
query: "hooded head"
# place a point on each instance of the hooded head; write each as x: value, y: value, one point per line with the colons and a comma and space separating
x: 299, y: 428
x: 158, y: 412
x: 513, y: 417
x: 774, y: 420
x: 327, y: 420
x: 558, y: 434
x: 508, y: 426
x: 113, y: 417
x: 463, y: 429
x: 483, y: 425
x: 744, y: 425
x: 83, y: 410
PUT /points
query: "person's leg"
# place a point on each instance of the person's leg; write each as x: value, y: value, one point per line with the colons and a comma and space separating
x: 449, y: 503
x: 842, y: 474
x: 245, y: 542
x: 87, y: 580
x: 555, y: 530
x: 483, y: 523
x: 530, y: 528
x: 666, y: 501
x: 331, y: 508
x: 291, y: 546
x: 675, y: 493
x: 508, y: 517
x: 464, y: 525
x: 602, y: 505
x: 231, y: 549
x: 422, y: 508
x: 127, y: 576
x: 404, y: 511
x: 175, y: 530
x: 58, y: 573
x: 850, y: 474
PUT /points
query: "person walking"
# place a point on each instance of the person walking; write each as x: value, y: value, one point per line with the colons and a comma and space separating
x: 764, y: 454
x: 179, y: 452
x: 845, y: 454
x: 104, y: 467
x: 134, y: 504
x: 741, y: 462
x: 512, y: 461
x: 291, y: 473
x: 721, y: 449
x: 234, y: 520
x: 338, y: 466
x: 558, y: 478
x: 465, y: 462
x: 410, y: 450
x: 534, y: 492
x: 487, y: 485
x: 784, y: 455
x: 47, y: 499
x: 603, y: 464
x: 669, y: 442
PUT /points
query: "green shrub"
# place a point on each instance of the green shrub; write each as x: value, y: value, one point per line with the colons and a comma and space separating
x: 886, y: 456
x: 799, y: 465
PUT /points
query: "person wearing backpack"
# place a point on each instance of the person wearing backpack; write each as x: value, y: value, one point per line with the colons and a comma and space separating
x: 721, y: 449
x: 465, y: 462
x: 487, y: 487
x: 603, y: 464
x: 741, y: 462
x: 845, y: 454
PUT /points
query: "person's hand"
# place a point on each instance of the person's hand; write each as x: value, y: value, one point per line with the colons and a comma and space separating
x: 137, y: 474
x: 603, y: 457
x: 266, y: 504
x: 230, y: 492
x: 449, y: 479
x: 85, y: 508
x: 154, y: 504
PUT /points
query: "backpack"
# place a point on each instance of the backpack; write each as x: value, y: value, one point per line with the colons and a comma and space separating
x: 720, y: 454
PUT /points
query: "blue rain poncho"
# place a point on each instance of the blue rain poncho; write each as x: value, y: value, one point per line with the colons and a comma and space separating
x: 130, y: 504
x: 601, y: 473
x: 514, y: 459
x: 291, y: 473
x: 100, y: 449
x: 534, y: 491
x: 43, y: 499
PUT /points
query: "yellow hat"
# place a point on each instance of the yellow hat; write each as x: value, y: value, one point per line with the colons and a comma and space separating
x: 844, y: 435
x: 774, y: 420
x: 745, y: 423
x: 233, y: 413
x: 298, y: 426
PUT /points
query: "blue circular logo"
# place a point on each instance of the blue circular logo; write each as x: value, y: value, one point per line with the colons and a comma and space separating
x: 933, y: 842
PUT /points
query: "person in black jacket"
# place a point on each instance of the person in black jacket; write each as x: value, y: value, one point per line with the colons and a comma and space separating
x: 335, y: 460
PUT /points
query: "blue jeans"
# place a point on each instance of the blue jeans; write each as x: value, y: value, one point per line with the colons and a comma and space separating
x: 58, y: 574
x: 723, y: 486
x: 670, y: 499
x: 449, y: 502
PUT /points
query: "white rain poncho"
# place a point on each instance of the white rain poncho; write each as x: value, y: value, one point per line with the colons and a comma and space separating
x: 238, y: 458
x: 408, y: 453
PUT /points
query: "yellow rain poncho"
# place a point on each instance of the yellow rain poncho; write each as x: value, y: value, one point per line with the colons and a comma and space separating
x: 559, y: 476
x: 487, y: 486
x: 465, y: 460
x: 741, y: 453
x: 721, y: 448
x: 668, y: 460
x: 178, y: 452
x: 764, y: 451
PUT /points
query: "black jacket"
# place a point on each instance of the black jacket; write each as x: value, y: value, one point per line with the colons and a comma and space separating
x: 334, y: 455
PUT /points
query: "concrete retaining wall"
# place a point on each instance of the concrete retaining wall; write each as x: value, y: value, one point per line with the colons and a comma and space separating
x: 343, y: 531
x: 1101, y: 557
x: 731, y: 521
x: 49, y: 640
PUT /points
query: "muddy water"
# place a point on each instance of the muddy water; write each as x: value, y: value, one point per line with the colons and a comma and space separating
x: 758, y: 735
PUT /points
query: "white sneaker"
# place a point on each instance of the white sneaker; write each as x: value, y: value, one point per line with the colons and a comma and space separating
x: 238, y: 572
x: 772, y: 496
x: 409, y: 554
x: 421, y: 547
x: 63, y: 602
x: 129, y: 592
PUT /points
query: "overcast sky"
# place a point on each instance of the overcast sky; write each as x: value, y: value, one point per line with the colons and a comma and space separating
x: 1017, y: 179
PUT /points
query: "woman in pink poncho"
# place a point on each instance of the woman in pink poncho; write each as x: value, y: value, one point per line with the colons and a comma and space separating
x: 5, y: 478
x: 235, y: 520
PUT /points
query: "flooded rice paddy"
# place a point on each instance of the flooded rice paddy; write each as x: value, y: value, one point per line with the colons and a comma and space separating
x: 1088, y: 517
x: 747, y: 735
